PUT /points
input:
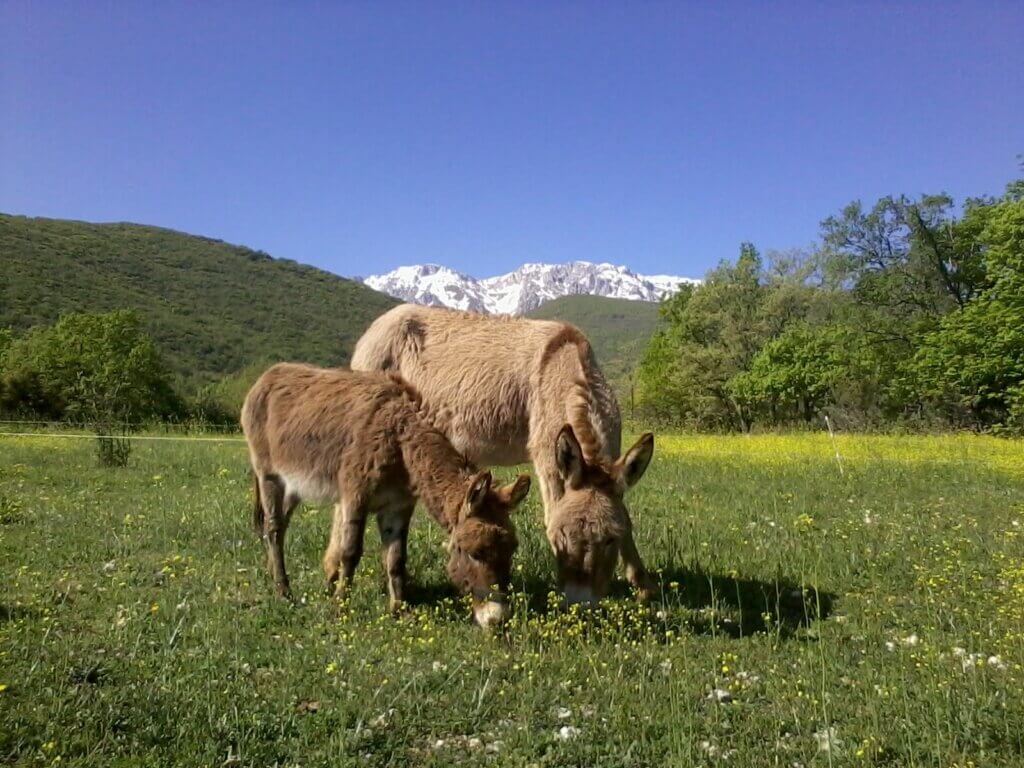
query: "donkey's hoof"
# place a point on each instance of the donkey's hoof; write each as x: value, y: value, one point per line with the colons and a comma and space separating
x: 399, y: 608
x: 284, y: 591
x: 339, y: 590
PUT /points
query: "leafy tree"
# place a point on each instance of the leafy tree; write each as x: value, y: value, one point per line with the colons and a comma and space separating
x: 714, y: 333
x: 903, y: 256
x: 90, y: 367
x: 974, y: 362
x: 907, y: 311
x: 796, y: 373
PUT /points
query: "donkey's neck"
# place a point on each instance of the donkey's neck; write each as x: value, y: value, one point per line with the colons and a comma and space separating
x: 438, y: 473
x: 591, y: 408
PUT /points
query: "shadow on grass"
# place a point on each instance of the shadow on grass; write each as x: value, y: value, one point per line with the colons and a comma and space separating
x: 418, y: 594
x: 738, y: 607
x: 15, y: 612
x: 701, y: 603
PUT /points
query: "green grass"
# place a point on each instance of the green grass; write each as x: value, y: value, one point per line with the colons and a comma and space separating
x: 618, y: 329
x: 212, y: 307
x: 137, y: 625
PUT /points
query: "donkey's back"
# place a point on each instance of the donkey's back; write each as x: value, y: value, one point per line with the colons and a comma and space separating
x: 304, y: 423
x: 476, y: 373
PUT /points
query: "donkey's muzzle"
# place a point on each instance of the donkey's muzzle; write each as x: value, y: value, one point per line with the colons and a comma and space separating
x: 491, y: 614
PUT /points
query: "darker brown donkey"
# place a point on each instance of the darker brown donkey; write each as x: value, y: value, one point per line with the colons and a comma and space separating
x: 360, y: 440
x: 507, y: 390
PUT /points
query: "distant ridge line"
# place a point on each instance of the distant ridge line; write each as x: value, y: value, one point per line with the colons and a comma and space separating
x: 524, y: 289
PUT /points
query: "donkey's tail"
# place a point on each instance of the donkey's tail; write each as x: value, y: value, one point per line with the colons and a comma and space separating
x: 257, y: 507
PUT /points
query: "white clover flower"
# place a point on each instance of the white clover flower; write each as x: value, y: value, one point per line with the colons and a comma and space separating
x: 972, y: 661
x: 567, y: 732
x: 709, y: 749
x: 828, y: 739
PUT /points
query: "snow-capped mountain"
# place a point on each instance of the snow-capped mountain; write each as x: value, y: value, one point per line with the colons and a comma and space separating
x: 525, y: 289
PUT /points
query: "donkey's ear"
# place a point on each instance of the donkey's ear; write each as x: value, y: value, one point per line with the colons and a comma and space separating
x: 516, y: 492
x: 569, y: 457
x: 477, y: 493
x: 631, y: 467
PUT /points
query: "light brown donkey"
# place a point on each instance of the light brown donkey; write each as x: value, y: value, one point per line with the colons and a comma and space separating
x: 361, y: 441
x: 507, y: 390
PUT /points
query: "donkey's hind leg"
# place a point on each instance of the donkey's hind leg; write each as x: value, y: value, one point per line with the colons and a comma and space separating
x: 346, y: 545
x: 394, y: 539
x: 275, y: 523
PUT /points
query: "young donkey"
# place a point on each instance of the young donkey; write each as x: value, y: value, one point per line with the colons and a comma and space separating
x: 542, y: 398
x: 360, y: 440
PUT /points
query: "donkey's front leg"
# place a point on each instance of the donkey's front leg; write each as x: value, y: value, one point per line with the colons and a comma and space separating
x: 636, y: 573
x: 346, y: 545
x: 394, y: 538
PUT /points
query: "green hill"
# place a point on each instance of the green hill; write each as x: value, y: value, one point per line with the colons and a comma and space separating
x: 212, y: 307
x: 618, y: 329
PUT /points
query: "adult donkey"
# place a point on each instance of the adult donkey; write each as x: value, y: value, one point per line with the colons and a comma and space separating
x: 507, y: 390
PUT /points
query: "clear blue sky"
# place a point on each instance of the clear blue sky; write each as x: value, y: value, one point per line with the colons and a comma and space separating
x: 361, y: 136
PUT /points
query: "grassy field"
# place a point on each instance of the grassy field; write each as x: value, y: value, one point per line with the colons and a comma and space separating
x: 873, y: 616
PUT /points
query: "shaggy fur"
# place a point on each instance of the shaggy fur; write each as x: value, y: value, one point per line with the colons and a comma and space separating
x: 360, y: 440
x: 507, y: 390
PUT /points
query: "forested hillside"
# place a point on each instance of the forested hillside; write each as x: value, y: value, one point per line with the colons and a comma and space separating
x: 212, y: 308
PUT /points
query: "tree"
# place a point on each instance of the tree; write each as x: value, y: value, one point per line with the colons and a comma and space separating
x: 712, y: 334
x: 974, y: 362
x: 90, y: 367
x: 795, y: 374
x: 907, y: 258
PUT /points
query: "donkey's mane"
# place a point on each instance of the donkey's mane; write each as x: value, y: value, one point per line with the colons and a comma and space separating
x: 580, y: 402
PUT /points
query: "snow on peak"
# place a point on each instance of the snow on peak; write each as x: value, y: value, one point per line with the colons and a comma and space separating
x: 524, y: 289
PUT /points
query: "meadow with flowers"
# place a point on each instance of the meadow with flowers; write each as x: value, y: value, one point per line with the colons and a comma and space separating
x: 842, y: 603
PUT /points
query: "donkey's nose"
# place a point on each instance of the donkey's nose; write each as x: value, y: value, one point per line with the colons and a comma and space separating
x: 579, y: 593
x: 491, y: 614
